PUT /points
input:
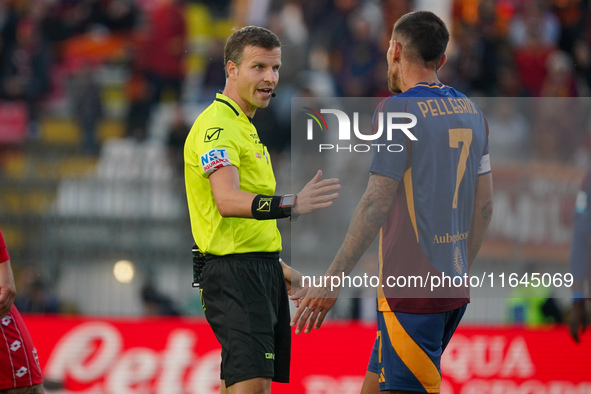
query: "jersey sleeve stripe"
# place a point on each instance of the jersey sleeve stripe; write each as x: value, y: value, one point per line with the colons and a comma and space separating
x: 410, y: 201
x: 382, y: 301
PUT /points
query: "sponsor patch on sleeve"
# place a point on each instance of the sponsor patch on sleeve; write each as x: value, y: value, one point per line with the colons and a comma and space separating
x: 581, y: 203
x: 214, y: 160
x: 484, y: 167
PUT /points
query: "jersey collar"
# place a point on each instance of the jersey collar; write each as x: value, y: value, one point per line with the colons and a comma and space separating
x: 430, y: 85
x: 229, y: 102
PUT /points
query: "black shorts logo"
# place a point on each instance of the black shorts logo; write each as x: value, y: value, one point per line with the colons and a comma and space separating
x: 202, y: 299
x: 212, y: 134
x: 264, y: 205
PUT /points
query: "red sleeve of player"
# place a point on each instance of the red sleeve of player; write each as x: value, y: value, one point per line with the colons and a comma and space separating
x: 3, y: 251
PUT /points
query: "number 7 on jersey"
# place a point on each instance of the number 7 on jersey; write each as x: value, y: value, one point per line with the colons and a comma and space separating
x: 455, y: 137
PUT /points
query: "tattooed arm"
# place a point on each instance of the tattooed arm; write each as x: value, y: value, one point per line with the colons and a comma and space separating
x: 368, y: 218
x: 481, y: 216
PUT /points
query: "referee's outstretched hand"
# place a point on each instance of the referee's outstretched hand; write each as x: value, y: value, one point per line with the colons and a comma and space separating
x: 317, y: 194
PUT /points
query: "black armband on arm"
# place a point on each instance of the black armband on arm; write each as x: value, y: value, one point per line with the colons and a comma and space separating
x: 269, y: 207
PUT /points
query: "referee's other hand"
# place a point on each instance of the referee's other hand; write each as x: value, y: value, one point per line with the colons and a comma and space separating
x: 317, y: 194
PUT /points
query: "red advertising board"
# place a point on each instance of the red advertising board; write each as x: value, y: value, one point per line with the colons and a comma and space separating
x: 181, y: 356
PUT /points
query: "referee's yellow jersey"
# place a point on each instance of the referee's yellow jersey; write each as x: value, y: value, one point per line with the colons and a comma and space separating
x: 224, y: 136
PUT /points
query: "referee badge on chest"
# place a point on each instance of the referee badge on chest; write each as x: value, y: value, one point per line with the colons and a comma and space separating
x: 258, y: 155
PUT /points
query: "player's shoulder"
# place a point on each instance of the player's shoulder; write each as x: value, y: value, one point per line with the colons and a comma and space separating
x: 452, y: 92
x: 394, y: 103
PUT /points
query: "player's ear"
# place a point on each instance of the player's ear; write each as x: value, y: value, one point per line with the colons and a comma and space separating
x: 441, y: 61
x: 397, y: 52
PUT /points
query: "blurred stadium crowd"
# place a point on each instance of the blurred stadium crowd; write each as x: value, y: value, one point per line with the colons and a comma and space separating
x: 97, y: 96
x: 66, y: 57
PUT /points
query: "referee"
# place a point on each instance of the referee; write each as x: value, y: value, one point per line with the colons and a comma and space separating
x: 230, y: 191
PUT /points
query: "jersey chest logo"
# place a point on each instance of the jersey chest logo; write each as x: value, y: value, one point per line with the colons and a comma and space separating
x: 212, y: 134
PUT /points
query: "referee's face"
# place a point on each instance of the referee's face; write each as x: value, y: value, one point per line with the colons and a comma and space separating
x: 256, y: 77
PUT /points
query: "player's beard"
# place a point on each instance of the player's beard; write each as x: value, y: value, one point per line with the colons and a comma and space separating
x: 393, y: 83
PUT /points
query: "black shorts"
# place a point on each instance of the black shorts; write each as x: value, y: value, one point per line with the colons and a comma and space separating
x: 246, y: 304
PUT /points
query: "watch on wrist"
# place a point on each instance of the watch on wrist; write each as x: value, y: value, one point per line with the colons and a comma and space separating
x: 287, y: 202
